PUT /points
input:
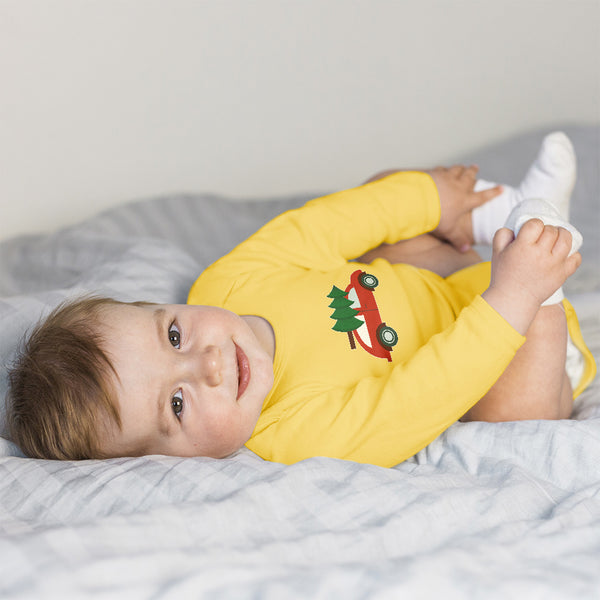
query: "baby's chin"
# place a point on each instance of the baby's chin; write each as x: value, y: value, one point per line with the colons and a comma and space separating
x: 224, y: 453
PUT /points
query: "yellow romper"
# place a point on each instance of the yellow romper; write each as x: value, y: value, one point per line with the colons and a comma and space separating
x: 374, y: 361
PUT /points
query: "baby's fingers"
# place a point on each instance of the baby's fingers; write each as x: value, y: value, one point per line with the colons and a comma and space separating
x: 479, y: 198
x: 572, y: 263
x: 502, y: 239
x: 470, y: 173
x: 548, y: 240
x: 531, y: 231
x: 563, y: 243
x: 457, y: 170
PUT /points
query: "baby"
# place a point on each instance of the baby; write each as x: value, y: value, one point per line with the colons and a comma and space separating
x: 291, y: 347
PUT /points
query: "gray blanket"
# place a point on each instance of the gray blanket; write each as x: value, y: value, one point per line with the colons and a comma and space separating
x: 486, y: 511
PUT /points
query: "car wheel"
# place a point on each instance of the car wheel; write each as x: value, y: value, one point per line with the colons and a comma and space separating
x: 387, y: 336
x: 368, y: 281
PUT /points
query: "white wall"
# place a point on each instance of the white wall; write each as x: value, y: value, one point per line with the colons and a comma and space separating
x: 103, y: 101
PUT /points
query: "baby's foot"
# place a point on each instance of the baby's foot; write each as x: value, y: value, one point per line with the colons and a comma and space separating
x: 534, y: 208
x: 551, y: 177
x: 552, y: 174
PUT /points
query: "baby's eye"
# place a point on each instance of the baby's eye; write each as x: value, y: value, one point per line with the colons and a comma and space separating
x: 174, y: 335
x: 177, y: 403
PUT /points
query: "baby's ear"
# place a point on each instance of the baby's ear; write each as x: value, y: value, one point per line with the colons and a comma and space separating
x: 502, y: 239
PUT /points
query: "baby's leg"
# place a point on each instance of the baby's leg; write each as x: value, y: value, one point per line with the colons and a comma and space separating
x: 426, y: 252
x: 535, y: 384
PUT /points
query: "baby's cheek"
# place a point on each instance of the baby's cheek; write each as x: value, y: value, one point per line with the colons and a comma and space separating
x: 224, y: 432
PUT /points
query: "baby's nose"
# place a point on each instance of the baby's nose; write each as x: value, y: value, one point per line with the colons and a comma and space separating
x: 212, y: 365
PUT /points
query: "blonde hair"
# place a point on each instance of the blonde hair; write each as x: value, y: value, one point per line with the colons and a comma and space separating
x: 60, y: 387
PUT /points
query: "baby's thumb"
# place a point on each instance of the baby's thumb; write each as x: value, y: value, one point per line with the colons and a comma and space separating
x: 502, y: 239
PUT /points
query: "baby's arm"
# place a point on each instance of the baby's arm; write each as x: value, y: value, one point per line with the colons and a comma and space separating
x: 456, y: 189
x: 527, y: 270
x: 383, y: 419
x: 328, y: 231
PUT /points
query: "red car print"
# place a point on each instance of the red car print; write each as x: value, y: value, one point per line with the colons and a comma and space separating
x: 373, y: 335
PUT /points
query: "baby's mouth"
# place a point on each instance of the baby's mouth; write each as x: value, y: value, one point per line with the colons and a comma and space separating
x: 243, y: 371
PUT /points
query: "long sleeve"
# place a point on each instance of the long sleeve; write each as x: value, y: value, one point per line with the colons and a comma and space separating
x: 323, y: 234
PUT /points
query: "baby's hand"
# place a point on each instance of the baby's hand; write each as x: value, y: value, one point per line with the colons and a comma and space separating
x: 528, y: 269
x: 457, y: 199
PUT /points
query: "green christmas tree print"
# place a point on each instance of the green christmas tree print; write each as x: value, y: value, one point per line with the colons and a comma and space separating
x: 344, y: 314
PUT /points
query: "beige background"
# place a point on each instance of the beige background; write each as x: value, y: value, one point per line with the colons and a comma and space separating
x: 104, y: 101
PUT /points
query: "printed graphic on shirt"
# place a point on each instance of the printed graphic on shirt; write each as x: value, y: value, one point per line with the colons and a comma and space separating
x: 357, y: 314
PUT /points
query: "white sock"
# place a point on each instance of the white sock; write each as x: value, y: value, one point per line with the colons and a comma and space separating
x: 575, y: 363
x: 534, y: 208
x: 551, y: 176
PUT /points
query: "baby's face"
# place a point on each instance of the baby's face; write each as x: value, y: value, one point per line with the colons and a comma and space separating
x: 191, y: 379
